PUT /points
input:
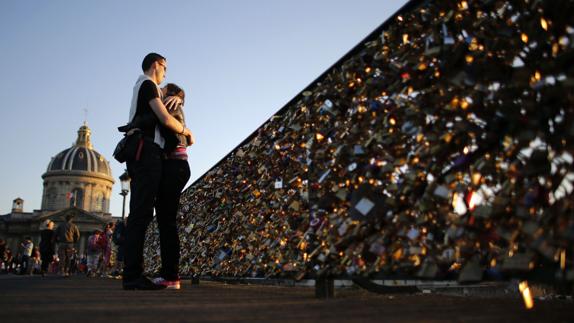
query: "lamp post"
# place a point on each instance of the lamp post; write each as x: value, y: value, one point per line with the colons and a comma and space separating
x: 125, y: 181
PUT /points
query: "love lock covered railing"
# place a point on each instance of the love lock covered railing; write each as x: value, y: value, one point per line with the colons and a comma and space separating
x: 440, y: 147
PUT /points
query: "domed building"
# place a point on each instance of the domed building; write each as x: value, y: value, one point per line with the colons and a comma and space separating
x: 78, y: 182
x: 78, y: 177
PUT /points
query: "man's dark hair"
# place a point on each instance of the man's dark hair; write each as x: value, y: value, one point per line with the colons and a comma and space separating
x: 149, y: 59
x: 69, y: 217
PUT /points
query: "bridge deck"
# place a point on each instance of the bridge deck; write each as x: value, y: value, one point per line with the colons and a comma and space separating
x: 51, y: 299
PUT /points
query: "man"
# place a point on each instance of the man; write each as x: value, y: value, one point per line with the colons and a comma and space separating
x: 26, y: 246
x: 145, y: 168
x: 66, y: 236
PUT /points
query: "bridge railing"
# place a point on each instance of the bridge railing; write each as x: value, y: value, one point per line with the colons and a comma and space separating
x: 439, y: 147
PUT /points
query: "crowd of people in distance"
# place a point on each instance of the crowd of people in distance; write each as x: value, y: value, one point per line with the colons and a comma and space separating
x: 103, y: 256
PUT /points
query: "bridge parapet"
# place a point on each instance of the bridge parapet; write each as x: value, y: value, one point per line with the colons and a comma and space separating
x: 439, y: 147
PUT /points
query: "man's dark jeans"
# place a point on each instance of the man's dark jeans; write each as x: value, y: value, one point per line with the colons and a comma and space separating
x: 145, y: 179
x: 65, y: 252
x: 175, y: 174
x: 25, y: 267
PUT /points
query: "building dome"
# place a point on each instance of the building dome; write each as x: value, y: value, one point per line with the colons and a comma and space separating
x: 78, y: 176
x: 80, y: 157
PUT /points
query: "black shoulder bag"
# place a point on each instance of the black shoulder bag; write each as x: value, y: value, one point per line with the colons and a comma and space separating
x: 130, y: 146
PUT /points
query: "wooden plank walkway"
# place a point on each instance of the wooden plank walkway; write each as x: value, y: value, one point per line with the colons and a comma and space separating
x: 79, y: 299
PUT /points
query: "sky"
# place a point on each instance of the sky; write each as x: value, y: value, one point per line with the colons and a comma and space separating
x: 238, y: 61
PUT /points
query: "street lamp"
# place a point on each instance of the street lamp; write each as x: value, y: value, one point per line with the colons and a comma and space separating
x: 125, y: 181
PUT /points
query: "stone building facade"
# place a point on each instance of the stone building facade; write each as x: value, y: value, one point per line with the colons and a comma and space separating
x: 78, y: 181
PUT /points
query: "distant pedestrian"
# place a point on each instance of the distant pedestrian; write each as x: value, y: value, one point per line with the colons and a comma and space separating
x: 8, y: 260
x: 2, y: 255
x: 35, y: 261
x: 54, y: 265
x: 96, y: 247
x: 66, y: 236
x: 74, y: 262
x: 118, y: 239
x: 17, y: 262
x: 47, y: 248
x: 83, y: 266
x: 26, y: 248
x: 108, y: 252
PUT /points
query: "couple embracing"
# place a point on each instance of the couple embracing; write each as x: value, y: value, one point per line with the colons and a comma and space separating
x: 159, y: 171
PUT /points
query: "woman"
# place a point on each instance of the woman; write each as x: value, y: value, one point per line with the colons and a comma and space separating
x: 8, y: 261
x: 2, y: 254
x: 47, y: 246
x: 175, y: 174
x: 107, y: 263
x: 35, y: 262
x: 96, y: 249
